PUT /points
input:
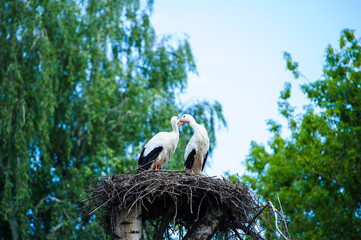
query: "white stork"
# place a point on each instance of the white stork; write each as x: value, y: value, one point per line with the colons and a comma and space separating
x: 196, y: 153
x: 156, y: 152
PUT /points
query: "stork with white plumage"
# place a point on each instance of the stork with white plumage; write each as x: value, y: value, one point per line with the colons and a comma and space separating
x: 156, y: 152
x: 196, y: 152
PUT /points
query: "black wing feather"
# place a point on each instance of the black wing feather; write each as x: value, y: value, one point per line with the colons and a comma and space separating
x: 145, y: 162
x: 204, y: 161
x: 188, y: 164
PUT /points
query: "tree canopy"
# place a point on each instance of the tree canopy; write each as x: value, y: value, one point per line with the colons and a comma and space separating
x: 84, y: 84
x: 316, y: 171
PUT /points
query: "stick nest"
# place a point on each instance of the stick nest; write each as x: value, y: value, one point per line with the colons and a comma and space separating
x: 191, y: 196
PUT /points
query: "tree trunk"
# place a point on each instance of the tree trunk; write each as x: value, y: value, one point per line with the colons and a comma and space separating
x: 166, y: 216
x: 127, y: 226
x: 14, y: 226
x: 205, y: 227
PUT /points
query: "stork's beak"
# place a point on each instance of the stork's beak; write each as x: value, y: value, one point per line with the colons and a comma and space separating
x: 184, y: 120
x: 181, y: 121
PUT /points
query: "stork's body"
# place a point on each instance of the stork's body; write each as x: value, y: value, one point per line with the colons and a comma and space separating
x: 156, y: 152
x: 196, y: 152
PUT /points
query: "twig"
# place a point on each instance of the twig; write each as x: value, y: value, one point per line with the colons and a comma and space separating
x: 99, y: 207
x: 275, y: 213
x: 283, y: 218
x: 256, y: 216
x: 42, y: 200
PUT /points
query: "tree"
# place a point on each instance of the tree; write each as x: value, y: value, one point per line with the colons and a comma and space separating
x: 84, y: 84
x: 316, y: 172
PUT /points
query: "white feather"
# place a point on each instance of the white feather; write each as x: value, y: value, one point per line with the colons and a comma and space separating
x: 199, y: 142
x: 167, y: 140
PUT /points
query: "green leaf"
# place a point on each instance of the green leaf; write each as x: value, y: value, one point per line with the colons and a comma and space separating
x: 314, y: 170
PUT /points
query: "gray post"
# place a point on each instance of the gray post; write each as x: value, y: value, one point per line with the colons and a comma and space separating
x: 127, y: 226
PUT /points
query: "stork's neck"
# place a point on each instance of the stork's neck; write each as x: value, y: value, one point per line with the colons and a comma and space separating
x: 175, y: 137
x: 175, y: 128
x: 198, y: 129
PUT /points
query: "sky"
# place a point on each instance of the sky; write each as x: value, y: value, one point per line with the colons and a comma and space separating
x: 238, y: 47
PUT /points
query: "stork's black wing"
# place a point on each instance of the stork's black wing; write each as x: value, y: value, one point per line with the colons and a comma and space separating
x: 204, y: 161
x: 188, y: 164
x: 145, y: 162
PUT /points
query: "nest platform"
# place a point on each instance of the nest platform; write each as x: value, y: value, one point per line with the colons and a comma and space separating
x: 180, y: 197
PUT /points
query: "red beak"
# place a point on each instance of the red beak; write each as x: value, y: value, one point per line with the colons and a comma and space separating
x: 181, y: 121
x: 184, y: 120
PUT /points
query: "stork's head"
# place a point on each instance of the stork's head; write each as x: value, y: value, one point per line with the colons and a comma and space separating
x: 187, y: 118
x: 175, y: 121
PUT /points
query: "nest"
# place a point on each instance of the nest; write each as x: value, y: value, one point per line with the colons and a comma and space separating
x: 190, y: 196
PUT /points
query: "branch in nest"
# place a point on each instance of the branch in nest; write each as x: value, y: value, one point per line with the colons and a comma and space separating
x: 158, y: 191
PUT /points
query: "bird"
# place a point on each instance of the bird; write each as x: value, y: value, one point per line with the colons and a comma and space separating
x: 196, y: 152
x: 156, y: 152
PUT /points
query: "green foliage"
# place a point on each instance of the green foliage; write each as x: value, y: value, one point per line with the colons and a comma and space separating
x: 316, y: 172
x: 291, y: 65
x: 84, y: 84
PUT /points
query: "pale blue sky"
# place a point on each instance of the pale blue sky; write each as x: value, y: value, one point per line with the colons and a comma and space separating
x: 238, y: 47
